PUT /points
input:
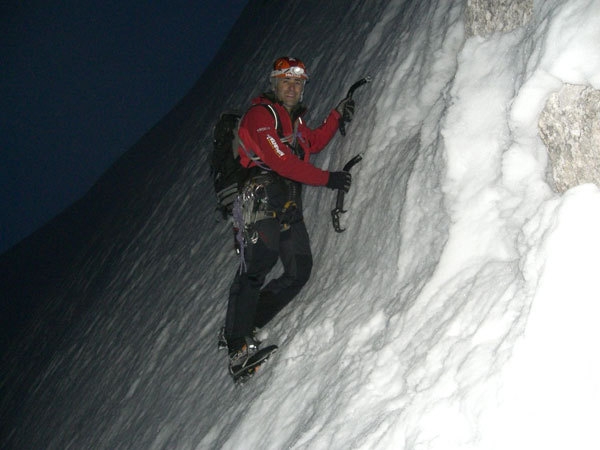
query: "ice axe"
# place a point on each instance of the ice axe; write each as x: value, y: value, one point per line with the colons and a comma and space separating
x: 339, y: 204
x: 354, y: 87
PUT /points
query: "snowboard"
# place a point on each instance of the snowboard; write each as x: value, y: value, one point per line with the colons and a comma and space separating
x: 243, y: 374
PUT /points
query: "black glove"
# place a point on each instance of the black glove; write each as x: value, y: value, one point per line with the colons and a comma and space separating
x: 339, y: 180
x: 346, y: 109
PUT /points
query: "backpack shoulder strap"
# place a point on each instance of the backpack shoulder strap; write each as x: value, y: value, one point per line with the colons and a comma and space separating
x: 289, y: 140
x: 253, y: 157
x: 271, y: 109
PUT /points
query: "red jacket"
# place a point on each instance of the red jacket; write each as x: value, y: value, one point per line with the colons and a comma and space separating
x: 259, y: 135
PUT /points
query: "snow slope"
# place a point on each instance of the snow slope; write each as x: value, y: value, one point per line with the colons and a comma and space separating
x: 456, y: 312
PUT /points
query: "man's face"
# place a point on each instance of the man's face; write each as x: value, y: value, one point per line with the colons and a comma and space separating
x: 289, y: 91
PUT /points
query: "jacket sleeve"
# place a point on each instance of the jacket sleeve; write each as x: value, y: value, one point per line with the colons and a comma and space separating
x: 259, y: 135
x: 315, y: 140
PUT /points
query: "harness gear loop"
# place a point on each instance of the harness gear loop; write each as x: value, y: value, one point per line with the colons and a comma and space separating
x: 251, y: 206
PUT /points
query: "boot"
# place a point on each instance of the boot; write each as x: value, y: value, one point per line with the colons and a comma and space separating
x: 239, y: 358
x: 222, y: 340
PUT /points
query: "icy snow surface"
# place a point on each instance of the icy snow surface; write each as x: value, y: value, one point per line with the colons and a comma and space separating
x: 458, y: 311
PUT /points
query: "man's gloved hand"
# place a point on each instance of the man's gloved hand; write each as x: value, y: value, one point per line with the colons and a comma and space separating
x: 346, y: 109
x: 339, y: 180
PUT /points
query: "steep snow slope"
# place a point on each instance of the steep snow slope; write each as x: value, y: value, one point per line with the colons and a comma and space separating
x: 456, y: 311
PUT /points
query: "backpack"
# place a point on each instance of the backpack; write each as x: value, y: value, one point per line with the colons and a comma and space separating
x: 225, y: 165
x: 225, y: 168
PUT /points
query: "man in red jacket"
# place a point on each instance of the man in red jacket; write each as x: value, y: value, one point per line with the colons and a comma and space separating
x: 275, y: 148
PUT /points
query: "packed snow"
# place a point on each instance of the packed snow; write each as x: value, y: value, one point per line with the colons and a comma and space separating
x: 457, y: 311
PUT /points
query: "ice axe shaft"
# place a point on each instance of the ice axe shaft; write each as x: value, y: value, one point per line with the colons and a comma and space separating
x: 354, y: 87
x: 339, y: 202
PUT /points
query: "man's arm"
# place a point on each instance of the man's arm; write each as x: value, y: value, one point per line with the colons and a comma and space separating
x: 317, y: 139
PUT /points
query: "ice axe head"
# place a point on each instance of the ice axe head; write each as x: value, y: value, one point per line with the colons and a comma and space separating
x: 355, y: 86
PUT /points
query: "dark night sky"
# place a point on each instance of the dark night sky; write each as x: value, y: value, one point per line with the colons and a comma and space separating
x: 81, y: 82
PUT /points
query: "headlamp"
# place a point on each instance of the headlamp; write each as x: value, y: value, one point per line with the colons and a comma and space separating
x: 287, y: 67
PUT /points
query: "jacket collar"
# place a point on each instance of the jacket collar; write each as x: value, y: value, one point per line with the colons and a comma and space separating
x: 297, y: 112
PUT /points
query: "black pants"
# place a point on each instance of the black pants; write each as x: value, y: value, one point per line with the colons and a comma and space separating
x: 249, y: 305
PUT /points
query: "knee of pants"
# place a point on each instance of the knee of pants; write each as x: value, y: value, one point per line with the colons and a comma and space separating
x: 258, y: 268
